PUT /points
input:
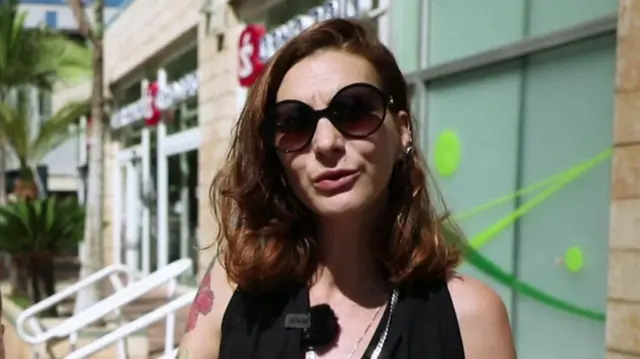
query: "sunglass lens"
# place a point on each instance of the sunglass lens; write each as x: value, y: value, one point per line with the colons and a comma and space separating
x: 358, y: 110
x: 293, y: 126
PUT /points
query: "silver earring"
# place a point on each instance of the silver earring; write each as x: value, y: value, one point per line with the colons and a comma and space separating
x: 408, y: 150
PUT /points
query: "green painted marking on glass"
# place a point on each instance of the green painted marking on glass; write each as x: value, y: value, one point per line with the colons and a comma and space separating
x: 447, y: 153
x: 475, y: 258
x: 533, y: 187
x: 574, y: 259
x: 552, y: 184
x: 489, y: 233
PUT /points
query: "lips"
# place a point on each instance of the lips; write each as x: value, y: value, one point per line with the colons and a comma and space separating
x: 335, y: 181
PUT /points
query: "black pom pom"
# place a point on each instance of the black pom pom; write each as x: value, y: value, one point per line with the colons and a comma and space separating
x: 324, y: 327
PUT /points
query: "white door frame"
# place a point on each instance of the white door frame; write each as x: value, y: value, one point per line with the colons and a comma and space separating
x: 169, y: 145
x: 135, y: 211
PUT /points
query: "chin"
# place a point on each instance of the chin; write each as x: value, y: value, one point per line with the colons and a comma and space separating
x: 341, y: 205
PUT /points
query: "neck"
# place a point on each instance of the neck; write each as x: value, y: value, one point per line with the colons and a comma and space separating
x: 347, y: 264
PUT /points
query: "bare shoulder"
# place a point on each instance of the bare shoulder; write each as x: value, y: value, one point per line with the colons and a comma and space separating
x: 483, y: 319
x: 204, y: 323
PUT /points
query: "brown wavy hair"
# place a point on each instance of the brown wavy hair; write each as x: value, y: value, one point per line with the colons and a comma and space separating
x: 266, y: 236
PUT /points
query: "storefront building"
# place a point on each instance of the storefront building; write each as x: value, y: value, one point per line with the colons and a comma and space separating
x: 515, y: 101
x: 515, y: 112
x: 151, y: 170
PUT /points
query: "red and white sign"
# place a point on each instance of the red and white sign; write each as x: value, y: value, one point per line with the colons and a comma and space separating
x: 156, y: 114
x: 249, y: 63
x: 157, y: 100
x: 256, y: 46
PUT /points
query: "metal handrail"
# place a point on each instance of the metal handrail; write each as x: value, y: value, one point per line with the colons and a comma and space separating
x: 110, y: 304
x: 133, y: 326
x: 28, y: 315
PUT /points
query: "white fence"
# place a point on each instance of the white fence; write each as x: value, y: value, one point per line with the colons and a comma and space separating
x: 38, y: 335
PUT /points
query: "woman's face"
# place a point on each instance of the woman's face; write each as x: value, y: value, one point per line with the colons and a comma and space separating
x: 336, y: 174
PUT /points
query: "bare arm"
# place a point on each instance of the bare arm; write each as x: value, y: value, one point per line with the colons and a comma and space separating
x: 202, y: 338
x: 483, y: 320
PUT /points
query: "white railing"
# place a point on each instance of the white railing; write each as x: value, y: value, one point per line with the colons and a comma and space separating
x: 113, y: 303
x: 142, y: 322
x: 28, y: 316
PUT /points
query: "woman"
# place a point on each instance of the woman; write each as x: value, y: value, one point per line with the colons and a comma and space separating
x: 323, y: 200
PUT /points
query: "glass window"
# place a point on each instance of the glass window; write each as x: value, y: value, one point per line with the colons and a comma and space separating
x: 560, y: 132
x: 461, y: 28
x: 476, y: 115
x: 128, y: 94
x: 182, y: 65
x: 183, y: 207
x: 464, y: 27
x: 549, y: 15
x: 405, y: 33
x: 286, y: 10
x: 183, y: 115
x: 507, y: 134
x: 129, y: 135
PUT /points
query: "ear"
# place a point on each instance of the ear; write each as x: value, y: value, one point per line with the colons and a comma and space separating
x: 403, y: 125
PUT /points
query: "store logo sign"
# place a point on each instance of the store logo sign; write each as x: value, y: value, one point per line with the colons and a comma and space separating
x: 249, y: 63
x: 270, y: 42
x: 157, y: 100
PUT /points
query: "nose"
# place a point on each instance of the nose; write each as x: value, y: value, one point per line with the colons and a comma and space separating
x: 327, y: 140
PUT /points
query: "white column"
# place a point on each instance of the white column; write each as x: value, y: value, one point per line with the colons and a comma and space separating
x: 185, y: 232
x: 163, y: 186
x: 146, y: 191
x: 117, y: 213
x: 82, y: 159
x: 132, y: 242
x: 146, y: 194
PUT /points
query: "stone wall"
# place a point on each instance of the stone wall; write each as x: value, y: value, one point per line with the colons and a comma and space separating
x: 146, y: 34
x: 217, y: 114
x: 623, y: 312
x: 145, y: 29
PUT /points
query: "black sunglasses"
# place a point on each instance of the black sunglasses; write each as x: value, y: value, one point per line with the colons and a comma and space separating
x: 357, y: 110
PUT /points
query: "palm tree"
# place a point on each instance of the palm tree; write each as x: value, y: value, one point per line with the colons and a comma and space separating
x: 35, y: 57
x: 37, y: 231
x: 38, y: 56
x: 29, y: 143
x: 92, y: 256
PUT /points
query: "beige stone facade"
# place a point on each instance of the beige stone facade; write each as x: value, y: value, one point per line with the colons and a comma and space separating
x: 145, y: 33
x: 623, y: 312
x: 142, y: 37
x: 217, y: 112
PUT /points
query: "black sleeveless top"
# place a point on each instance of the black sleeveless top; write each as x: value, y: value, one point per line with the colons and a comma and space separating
x: 423, y: 325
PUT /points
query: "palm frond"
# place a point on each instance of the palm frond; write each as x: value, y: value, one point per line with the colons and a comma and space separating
x: 42, y: 225
x: 37, y: 56
x: 28, y: 144
x: 55, y: 131
x: 15, y: 127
